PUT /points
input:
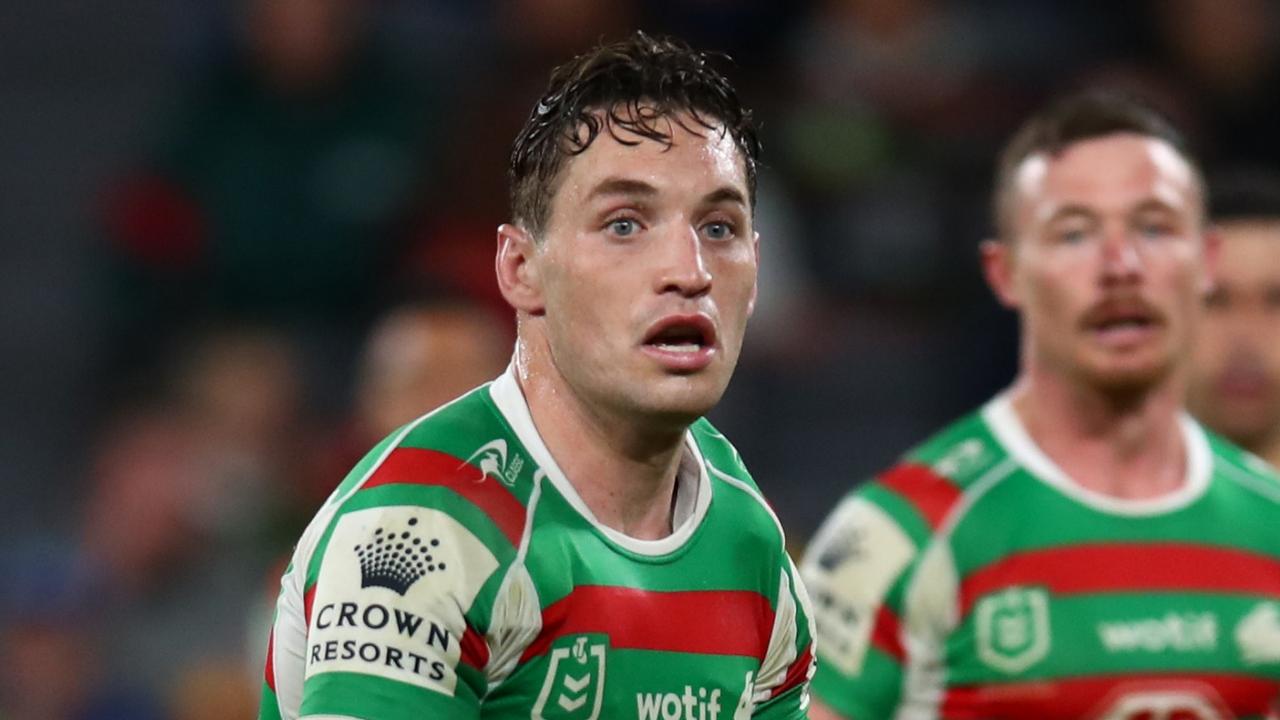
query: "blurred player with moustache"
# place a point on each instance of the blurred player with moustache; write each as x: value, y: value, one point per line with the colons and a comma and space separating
x: 1235, y: 370
x: 573, y: 540
x: 1079, y: 547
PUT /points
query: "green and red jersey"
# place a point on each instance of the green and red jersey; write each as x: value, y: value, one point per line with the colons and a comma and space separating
x: 456, y: 573
x: 976, y: 580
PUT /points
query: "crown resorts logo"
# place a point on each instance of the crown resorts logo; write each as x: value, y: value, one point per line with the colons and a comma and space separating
x: 396, y: 558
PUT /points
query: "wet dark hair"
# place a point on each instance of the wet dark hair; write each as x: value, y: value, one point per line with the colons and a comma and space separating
x: 1085, y: 116
x: 636, y: 86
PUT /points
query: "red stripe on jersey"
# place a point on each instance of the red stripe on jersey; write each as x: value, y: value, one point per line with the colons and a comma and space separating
x: 475, y: 652
x: 270, y: 670
x: 308, y: 599
x: 1128, y: 568
x: 1168, y: 696
x: 709, y: 622
x: 931, y: 494
x: 416, y: 466
x: 797, y: 673
x: 886, y: 634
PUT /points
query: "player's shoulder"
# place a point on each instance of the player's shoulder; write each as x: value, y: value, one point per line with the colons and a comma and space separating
x: 962, y: 452
x: 1223, y: 451
x: 734, y: 489
x: 720, y: 454
x: 921, y: 489
x: 1242, y: 468
x: 461, y: 461
x: 408, y: 557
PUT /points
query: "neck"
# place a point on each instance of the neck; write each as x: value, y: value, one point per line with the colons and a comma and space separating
x: 623, y: 468
x: 1127, y: 445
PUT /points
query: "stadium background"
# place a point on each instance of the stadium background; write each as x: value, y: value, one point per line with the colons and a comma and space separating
x: 207, y: 207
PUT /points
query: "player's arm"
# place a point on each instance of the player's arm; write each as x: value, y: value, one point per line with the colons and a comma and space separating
x: 857, y: 569
x: 388, y: 599
x: 781, y: 689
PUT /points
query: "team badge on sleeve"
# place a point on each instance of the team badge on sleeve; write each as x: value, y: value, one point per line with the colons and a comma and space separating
x: 391, y: 593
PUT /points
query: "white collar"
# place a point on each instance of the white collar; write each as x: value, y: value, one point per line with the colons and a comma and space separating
x: 693, y: 484
x: 1009, y: 430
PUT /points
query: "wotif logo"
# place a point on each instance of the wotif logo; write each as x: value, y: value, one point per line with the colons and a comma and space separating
x: 491, y: 458
x: 1179, y: 632
x: 689, y: 705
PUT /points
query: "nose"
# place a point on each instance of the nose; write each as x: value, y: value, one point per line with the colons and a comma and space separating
x: 683, y: 269
x: 1121, y: 257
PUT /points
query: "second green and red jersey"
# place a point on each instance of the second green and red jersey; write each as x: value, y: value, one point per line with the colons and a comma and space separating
x: 456, y: 573
x: 976, y: 580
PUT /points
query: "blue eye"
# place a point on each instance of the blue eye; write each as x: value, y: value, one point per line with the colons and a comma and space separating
x: 718, y: 230
x: 623, y: 227
x: 1073, y: 237
x: 1154, y: 231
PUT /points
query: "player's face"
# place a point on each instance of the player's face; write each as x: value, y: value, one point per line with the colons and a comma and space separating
x: 1107, y: 261
x: 1235, y: 378
x: 649, y: 272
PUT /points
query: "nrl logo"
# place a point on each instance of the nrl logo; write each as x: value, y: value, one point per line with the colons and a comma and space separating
x: 491, y: 458
x: 574, y: 687
x: 1013, y: 628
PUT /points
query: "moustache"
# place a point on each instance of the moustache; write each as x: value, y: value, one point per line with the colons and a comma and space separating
x: 1122, y: 308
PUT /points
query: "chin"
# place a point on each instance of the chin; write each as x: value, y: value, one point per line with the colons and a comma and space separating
x: 1128, y: 379
x: 681, y: 402
x: 685, y: 409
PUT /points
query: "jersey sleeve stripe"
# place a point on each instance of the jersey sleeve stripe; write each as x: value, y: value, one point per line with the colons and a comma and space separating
x: 710, y: 622
x: 931, y: 494
x: 1087, y: 696
x: 1128, y: 568
x: 886, y: 634
x: 798, y: 673
x: 308, y: 599
x: 418, y: 466
x: 475, y: 651
x: 270, y: 670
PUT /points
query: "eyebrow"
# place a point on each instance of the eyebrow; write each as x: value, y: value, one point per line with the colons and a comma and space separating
x: 624, y: 186
x: 1072, y: 211
x: 725, y: 194
x: 1154, y: 204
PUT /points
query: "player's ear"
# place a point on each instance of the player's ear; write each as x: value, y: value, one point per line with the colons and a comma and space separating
x: 517, y: 268
x: 755, y: 281
x: 997, y: 268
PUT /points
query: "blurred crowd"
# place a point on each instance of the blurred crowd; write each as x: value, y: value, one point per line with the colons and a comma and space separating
x: 300, y: 260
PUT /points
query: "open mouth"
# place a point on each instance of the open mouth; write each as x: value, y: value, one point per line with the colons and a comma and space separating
x: 1120, y: 323
x: 682, y: 334
x: 1122, y: 320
